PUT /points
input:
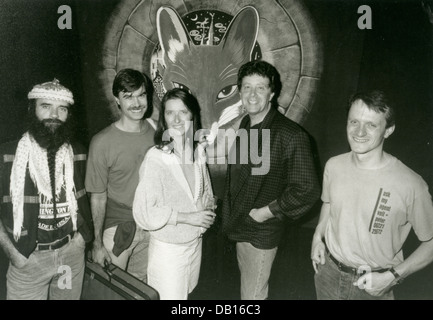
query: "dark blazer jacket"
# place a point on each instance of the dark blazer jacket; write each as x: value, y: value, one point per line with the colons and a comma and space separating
x: 290, y: 187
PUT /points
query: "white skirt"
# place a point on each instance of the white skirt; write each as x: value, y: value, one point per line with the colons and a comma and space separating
x: 173, y: 269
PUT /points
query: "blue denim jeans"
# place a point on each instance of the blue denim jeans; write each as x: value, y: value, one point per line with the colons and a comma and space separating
x: 51, y: 274
x: 334, y: 284
x: 255, y: 266
x: 134, y: 259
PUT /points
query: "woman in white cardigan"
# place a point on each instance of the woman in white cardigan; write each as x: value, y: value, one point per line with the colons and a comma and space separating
x: 172, y: 197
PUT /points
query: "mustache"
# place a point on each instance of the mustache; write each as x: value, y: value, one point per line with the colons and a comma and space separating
x: 52, y: 121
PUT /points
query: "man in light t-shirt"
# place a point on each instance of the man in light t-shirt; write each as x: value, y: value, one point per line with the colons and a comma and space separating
x: 371, y: 200
x: 115, y: 156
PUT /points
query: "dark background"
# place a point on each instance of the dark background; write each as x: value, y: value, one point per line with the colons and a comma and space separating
x: 396, y: 55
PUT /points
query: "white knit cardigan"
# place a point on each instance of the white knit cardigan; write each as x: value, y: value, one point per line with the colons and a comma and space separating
x: 163, y: 191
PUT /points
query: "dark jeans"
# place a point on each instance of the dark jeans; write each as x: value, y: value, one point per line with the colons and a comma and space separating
x: 333, y: 284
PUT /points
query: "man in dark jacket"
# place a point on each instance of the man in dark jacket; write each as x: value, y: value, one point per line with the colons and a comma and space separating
x: 259, y: 197
x: 45, y: 214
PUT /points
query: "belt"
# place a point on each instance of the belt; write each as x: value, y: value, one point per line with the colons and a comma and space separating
x: 347, y: 269
x: 55, y: 244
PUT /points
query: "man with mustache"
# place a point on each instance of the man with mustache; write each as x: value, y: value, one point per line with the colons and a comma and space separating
x: 115, y: 156
x: 45, y: 213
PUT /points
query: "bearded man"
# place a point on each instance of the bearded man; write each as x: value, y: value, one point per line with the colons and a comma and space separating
x: 45, y: 213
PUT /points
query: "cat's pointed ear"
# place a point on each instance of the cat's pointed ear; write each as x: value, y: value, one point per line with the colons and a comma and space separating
x: 242, y: 32
x: 172, y: 33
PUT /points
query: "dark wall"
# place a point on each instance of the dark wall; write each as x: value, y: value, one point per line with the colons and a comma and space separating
x: 396, y: 56
x: 34, y: 50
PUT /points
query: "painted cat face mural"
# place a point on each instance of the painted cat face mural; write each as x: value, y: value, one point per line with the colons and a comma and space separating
x: 200, y: 45
x: 208, y: 70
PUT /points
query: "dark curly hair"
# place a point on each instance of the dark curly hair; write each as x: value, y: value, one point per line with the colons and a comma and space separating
x: 130, y: 80
x: 264, y: 69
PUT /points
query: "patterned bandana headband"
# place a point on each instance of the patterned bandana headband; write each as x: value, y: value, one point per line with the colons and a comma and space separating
x: 52, y: 90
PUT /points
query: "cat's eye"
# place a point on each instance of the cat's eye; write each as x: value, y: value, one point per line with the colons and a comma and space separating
x: 181, y: 86
x: 226, y: 92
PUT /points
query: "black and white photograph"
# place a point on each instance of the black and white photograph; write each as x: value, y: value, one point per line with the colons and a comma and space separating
x: 222, y: 150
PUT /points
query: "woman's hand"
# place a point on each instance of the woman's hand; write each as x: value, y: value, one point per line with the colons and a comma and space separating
x: 202, y: 218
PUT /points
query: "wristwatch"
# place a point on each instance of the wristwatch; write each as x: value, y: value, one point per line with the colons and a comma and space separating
x: 396, y: 275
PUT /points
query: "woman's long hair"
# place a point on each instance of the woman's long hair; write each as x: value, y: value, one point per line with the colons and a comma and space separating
x: 191, y: 104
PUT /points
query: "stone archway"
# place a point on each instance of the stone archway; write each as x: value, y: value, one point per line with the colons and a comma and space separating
x: 286, y: 36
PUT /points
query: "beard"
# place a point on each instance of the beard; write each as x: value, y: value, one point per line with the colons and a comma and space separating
x: 50, y: 134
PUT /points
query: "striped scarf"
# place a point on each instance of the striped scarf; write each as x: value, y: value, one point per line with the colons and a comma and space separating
x: 30, y: 154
